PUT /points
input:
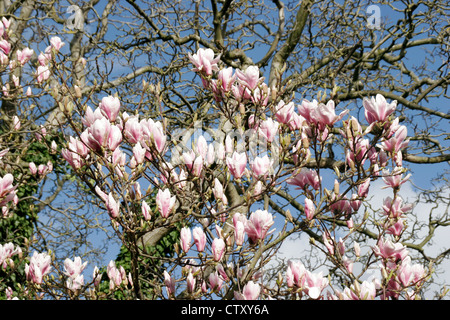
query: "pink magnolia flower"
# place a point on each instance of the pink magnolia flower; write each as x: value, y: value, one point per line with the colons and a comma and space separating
x: 325, y: 114
x: 250, y: 77
x: 75, y: 283
x: 395, y: 179
x: 114, y: 138
x: 215, y: 281
x: 257, y: 227
x: 219, y: 192
x: 7, y: 251
x: 310, y: 209
x: 226, y: 79
x: 328, y: 242
x: 306, y: 177
x: 218, y: 249
x: 6, y: 22
x: 7, y: 190
x: 340, y: 204
x: 33, y: 168
x: 117, y: 276
x: 3, y: 152
x: 396, y: 142
x: 409, y: 274
x: 189, y: 158
x: 389, y: 250
x: 75, y: 153
x: 377, y: 109
x: 295, y: 274
x: 199, y: 238
x: 360, y: 151
x: 110, y: 107
x: 139, y: 153
x: 190, y: 280
x: 260, y: 95
x: 165, y: 202
x: 236, y: 164
x: 185, y: 237
x: 296, y: 121
x: 261, y: 166
x: 320, y: 114
x: 204, y: 61
x: 202, y: 147
x: 102, y: 134
x: 133, y: 130
x: 146, y: 211
x: 396, y: 229
x: 395, y: 208
x: 268, y: 129
x: 75, y: 267
x: 197, y: 166
x: 40, y: 266
x: 23, y: 56
x: 44, y: 59
x: 284, y: 112
x: 90, y: 116
x: 169, y: 281
x: 56, y: 43
x: 96, y: 276
x: 42, y: 73
x: 5, y: 46
x: 153, y: 132
x: 315, y: 283
x: 366, y: 291
x: 258, y: 188
x: 251, y: 291
x: 355, y: 204
x: 4, y: 59
x: 112, y: 206
x: 363, y: 188
x: 239, y: 233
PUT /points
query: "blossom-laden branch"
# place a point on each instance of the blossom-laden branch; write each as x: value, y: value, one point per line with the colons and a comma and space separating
x: 217, y: 193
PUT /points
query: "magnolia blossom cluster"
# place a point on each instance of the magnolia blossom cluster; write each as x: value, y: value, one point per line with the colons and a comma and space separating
x: 117, y: 276
x: 5, y: 46
x: 8, y: 194
x: 314, y: 121
x: 44, y: 68
x: 73, y: 270
x: 256, y: 228
x: 242, y: 85
x: 127, y: 145
x: 39, y: 267
x: 398, y: 270
x: 304, y: 281
x: 7, y: 251
x: 105, y: 131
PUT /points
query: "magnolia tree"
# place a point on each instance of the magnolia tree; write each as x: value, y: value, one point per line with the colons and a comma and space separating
x: 215, y: 186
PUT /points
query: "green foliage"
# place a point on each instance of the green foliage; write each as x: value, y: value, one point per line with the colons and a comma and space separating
x: 19, y: 228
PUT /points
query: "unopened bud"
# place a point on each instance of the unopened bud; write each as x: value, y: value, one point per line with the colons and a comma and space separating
x: 336, y: 187
x: 145, y: 85
x: 384, y: 273
x: 305, y: 143
x: 288, y: 215
x: 78, y: 92
x: 279, y: 279
x: 357, y: 287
